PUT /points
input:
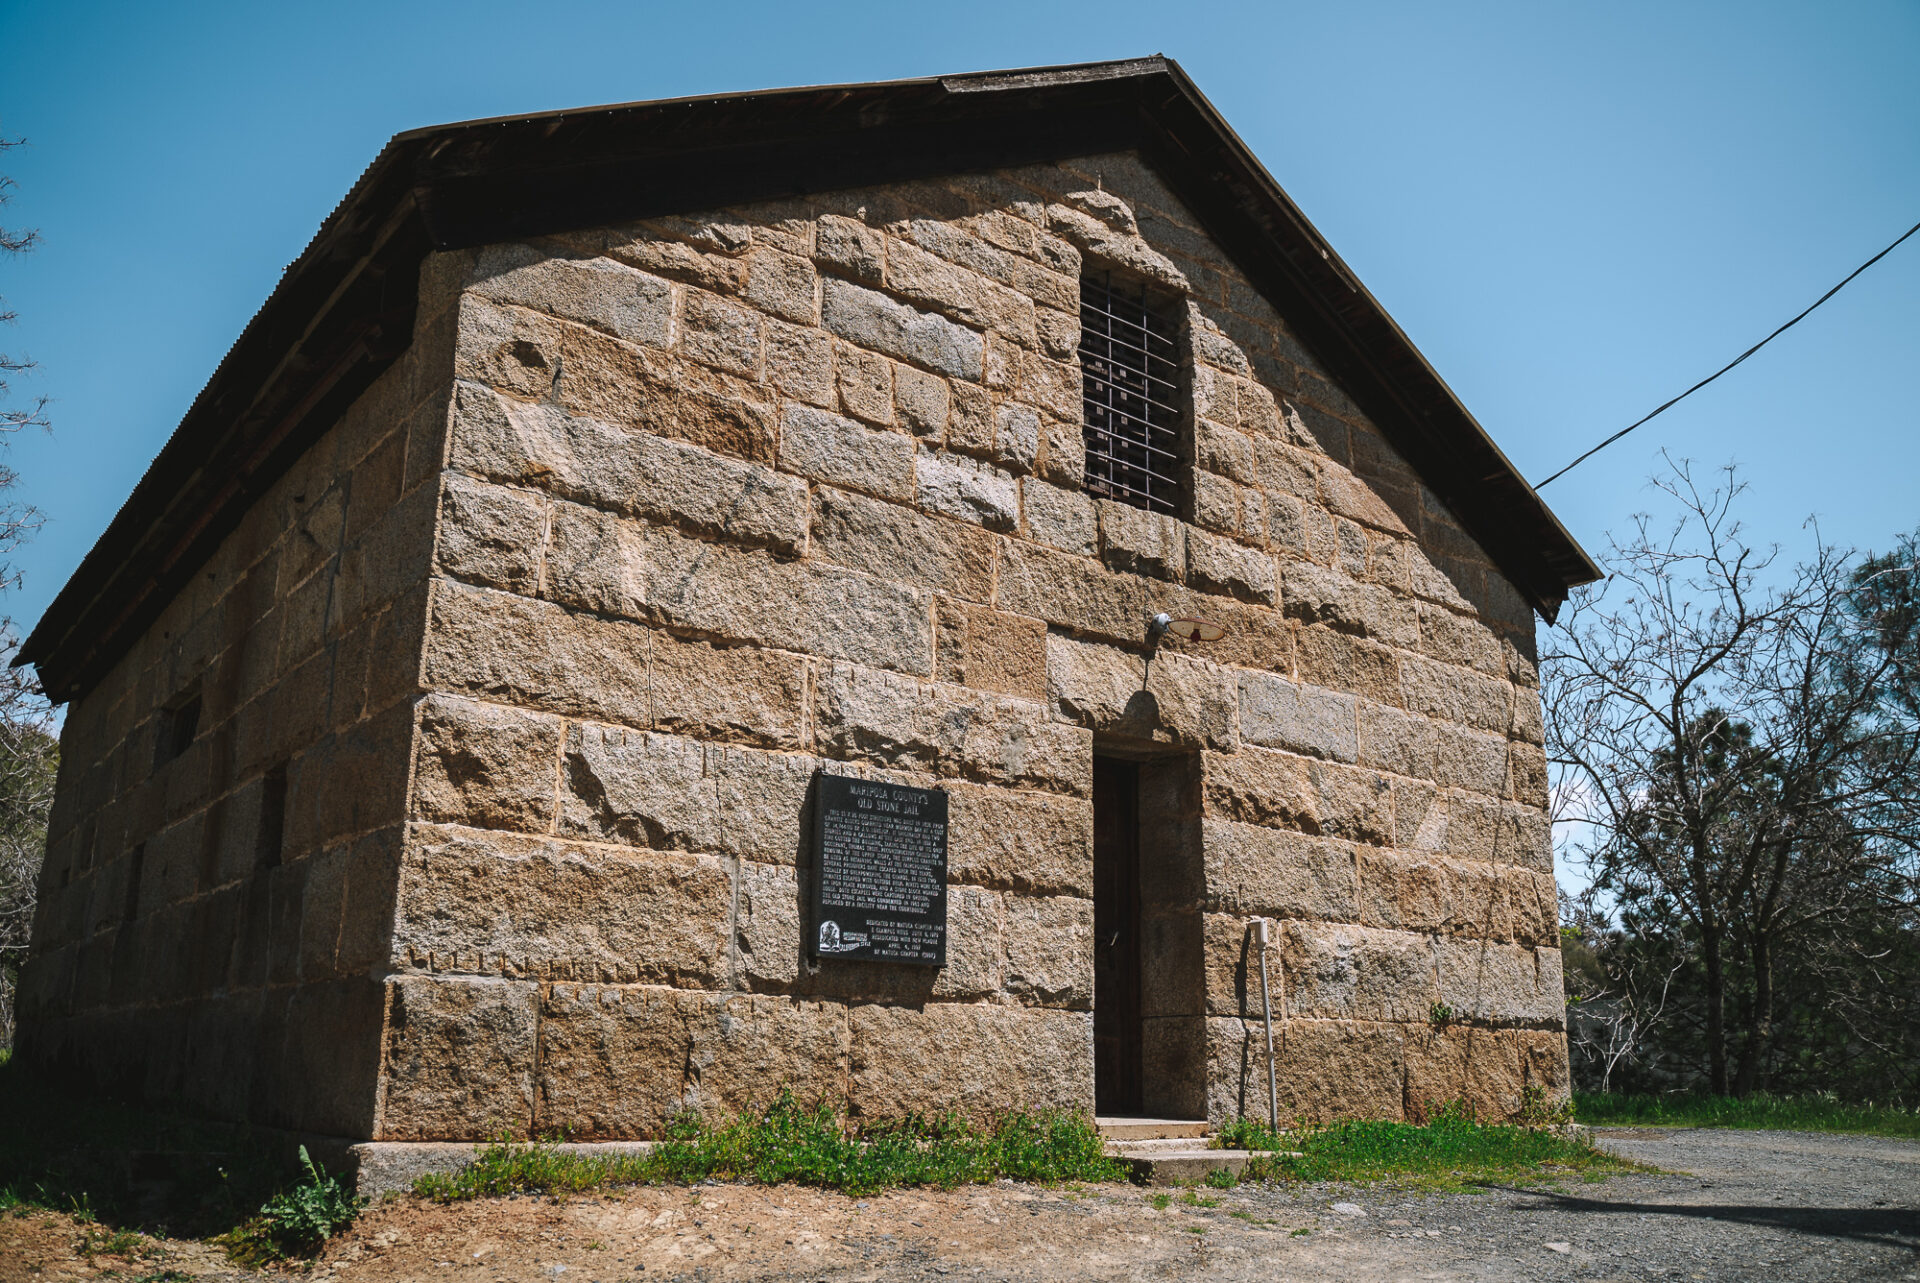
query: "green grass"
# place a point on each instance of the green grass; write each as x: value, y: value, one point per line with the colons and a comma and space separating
x: 1782, y: 1113
x: 1451, y: 1151
x: 802, y: 1145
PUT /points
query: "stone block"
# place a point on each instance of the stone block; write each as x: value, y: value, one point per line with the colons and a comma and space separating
x: 979, y: 1061
x: 1220, y: 449
x: 537, y: 655
x: 1230, y: 970
x: 613, y: 1061
x: 1325, y: 1070
x: 587, y: 373
x: 734, y: 693
x: 782, y: 285
x: 1461, y: 640
x: 1506, y: 984
x: 1172, y: 699
x: 1392, y: 741
x: 485, y: 765
x: 921, y: 402
x: 1049, y: 943
x: 900, y: 544
x: 851, y: 247
x: 745, y: 1051
x: 1353, y: 804
x: 1031, y: 843
x: 768, y: 923
x: 878, y: 323
x: 1429, y: 894
x: 1278, y: 873
x: 636, y: 473
x: 609, y: 296
x: 1526, y: 773
x: 925, y: 279
x: 1062, y: 519
x: 1138, y: 542
x: 349, y: 782
x: 1320, y: 594
x: 1482, y: 1070
x: 641, y: 789
x: 1457, y: 695
x: 979, y: 647
x: 1464, y: 759
x: 1535, y: 902
x: 976, y: 946
x: 547, y: 909
x: 800, y: 363
x: 981, y: 253
x: 1374, y: 504
x: 1342, y: 972
x: 866, y: 713
x: 1260, y: 786
x: 1277, y: 713
x: 840, y: 452
x: 490, y: 535
x: 459, y: 1060
x: 1216, y: 565
x: 970, y: 425
x: 969, y: 489
x: 1080, y: 595
x: 865, y: 383
x: 867, y: 620
x: 1063, y: 453
x: 760, y: 799
x: 1016, y: 443
x: 721, y: 334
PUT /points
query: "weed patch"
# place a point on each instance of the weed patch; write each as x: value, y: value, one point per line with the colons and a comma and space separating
x: 805, y: 1146
x: 1450, y: 1151
x: 295, y: 1222
x: 1772, y: 1113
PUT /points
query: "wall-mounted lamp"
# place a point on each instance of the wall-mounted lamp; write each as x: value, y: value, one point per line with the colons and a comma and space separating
x: 1184, y: 627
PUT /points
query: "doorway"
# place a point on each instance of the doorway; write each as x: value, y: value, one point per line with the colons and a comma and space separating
x: 1117, y: 1028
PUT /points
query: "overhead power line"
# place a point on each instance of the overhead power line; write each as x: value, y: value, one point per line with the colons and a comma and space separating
x: 1729, y: 365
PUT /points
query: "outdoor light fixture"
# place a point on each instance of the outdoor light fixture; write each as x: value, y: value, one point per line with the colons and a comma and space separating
x: 1185, y: 628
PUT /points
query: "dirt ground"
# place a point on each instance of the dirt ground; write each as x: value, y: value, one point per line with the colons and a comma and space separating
x: 1778, y: 1206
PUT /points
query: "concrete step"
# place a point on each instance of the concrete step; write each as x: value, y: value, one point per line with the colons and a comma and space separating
x: 1123, y: 1127
x: 1169, y: 1165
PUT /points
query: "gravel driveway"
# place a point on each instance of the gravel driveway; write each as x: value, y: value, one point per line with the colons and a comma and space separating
x: 1774, y: 1206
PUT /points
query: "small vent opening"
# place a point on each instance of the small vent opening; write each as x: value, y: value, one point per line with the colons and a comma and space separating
x: 179, y: 723
x: 270, y: 841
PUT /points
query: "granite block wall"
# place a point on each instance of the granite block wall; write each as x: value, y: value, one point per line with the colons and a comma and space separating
x: 734, y: 497
x: 463, y: 790
x: 216, y: 905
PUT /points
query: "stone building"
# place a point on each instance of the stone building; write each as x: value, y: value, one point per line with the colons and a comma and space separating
x: 446, y: 705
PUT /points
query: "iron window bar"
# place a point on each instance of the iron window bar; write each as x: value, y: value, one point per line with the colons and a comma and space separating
x: 1130, y: 367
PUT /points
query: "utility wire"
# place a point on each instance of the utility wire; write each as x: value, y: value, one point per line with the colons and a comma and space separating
x: 1729, y: 365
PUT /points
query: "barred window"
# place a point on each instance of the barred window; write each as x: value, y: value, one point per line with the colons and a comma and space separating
x: 1131, y: 368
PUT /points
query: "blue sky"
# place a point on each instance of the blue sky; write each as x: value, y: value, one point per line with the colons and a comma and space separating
x: 1574, y: 211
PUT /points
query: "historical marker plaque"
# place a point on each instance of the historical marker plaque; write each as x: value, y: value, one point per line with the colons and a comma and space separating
x: 881, y: 891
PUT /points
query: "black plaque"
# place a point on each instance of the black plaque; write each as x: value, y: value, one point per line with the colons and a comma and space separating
x: 881, y: 890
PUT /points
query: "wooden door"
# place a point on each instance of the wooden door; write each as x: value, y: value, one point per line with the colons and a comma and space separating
x: 1116, y: 931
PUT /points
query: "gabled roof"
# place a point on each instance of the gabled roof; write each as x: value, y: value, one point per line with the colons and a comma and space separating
x: 344, y: 310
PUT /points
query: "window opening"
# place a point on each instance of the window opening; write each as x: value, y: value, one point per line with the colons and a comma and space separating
x: 1132, y: 373
x: 270, y: 841
x: 179, y: 723
x: 136, y: 868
